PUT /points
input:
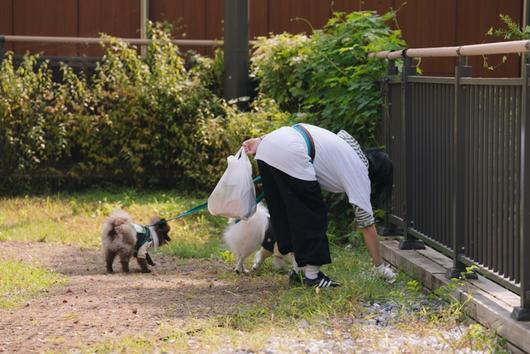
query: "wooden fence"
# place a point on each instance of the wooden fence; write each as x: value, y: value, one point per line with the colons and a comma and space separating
x: 423, y: 22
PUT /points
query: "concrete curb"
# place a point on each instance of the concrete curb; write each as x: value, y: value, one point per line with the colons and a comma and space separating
x: 490, y: 304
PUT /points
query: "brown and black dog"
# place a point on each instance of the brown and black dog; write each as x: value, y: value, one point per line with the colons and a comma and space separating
x: 120, y: 236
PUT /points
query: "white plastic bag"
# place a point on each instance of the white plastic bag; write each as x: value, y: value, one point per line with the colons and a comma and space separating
x: 234, y: 195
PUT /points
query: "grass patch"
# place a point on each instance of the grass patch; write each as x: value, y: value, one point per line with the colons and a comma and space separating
x: 77, y: 218
x: 420, y: 313
x: 196, y: 236
x: 20, y: 282
x: 352, y: 269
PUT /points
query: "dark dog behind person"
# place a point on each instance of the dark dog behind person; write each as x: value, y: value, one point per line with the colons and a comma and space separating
x: 295, y: 163
x: 381, y: 173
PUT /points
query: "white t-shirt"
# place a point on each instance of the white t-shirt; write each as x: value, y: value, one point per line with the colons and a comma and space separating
x: 337, y: 167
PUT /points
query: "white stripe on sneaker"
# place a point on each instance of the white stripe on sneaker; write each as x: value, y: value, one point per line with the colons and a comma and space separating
x: 325, y: 283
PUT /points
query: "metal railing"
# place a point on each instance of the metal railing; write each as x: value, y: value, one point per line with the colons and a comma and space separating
x: 91, y: 40
x: 83, y: 63
x: 462, y: 163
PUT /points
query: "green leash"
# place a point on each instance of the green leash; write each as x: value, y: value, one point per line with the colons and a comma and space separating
x: 190, y: 212
x: 204, y: 205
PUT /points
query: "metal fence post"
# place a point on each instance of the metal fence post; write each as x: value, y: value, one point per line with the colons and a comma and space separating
x: 2, y: 48
x: 409, y: 242
x: 388, y: 228
x: 392, y: 68
x: 144, y: 18
x: 235, y: 49
x: 458, y: 176
x: 522, y: 313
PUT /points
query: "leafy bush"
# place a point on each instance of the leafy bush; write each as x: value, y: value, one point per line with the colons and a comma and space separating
x: 329, y: 76
x: 32, y: 118
x: 275, y: 62
x: 512, y: 31
x: 158, y: 119
x: 141, y: 121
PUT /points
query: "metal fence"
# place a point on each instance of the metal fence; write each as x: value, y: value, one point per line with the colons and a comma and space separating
x: 462, y: 163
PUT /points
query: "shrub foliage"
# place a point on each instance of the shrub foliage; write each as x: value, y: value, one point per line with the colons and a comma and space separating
x: 158, y: 119
x: 136, y: 120
x: 329, y: 76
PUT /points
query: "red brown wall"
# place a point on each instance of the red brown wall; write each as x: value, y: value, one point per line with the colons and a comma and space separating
x: 6, y: 19
x: 120, y: 18
x: 424, y: 23
x: 46, y: 18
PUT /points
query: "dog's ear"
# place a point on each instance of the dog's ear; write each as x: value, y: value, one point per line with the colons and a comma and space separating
x: 162, y: 226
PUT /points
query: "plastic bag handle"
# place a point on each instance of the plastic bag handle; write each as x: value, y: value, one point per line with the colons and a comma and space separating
x: 240, y: 152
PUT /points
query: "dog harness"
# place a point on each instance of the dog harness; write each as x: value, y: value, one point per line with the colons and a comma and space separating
x: 144, y: 240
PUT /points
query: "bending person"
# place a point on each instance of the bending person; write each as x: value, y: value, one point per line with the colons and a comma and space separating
x: 295, y: 163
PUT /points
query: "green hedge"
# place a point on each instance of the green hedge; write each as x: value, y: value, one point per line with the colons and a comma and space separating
x: 148, y: 120
x: 136, y: 120
x: 328, y: 78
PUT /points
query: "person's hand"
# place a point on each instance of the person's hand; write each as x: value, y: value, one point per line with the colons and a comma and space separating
x: 251, y: 145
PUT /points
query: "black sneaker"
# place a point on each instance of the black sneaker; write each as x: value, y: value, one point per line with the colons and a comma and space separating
x: 295, y: 278
x: 321, y: 281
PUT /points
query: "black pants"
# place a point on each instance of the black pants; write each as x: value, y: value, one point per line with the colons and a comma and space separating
x: 298, y: 215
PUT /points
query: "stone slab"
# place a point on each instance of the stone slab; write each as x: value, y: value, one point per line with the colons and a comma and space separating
x: 489, y: 305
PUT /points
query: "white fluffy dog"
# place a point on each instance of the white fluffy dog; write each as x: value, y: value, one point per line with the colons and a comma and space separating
x: 246, y: 237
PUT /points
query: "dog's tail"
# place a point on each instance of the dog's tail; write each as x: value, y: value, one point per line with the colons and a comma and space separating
x: 118, y: 222
x: 116, y: 225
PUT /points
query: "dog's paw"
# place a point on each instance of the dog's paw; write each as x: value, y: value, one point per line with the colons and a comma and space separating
x: 242, y: 271
x: 149, y: 260
x: 146, y: 270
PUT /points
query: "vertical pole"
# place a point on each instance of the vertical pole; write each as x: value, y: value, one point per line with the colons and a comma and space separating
x: 386, y: 116
x: 388, y: 229
x: 458, y: 162
x: 235, y: 48
x: 409, y: 242
x: 522, y: 313
x: 144, y: 17
x: 526, y: 14
x: 2, y: 48
x: 525, y: 22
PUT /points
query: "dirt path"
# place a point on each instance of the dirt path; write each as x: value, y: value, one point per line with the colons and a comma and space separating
x: 93, y: 306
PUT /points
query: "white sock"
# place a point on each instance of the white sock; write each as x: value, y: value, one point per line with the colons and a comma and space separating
x: 296, y: 268
x: 311, y: 271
